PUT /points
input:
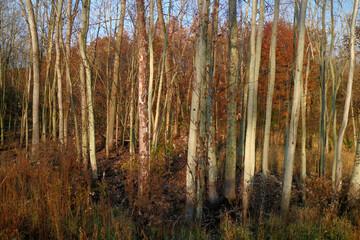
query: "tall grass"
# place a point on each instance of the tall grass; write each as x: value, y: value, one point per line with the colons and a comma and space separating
x: 48, y: 196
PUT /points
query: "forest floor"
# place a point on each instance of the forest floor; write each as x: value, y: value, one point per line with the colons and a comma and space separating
x: 50, y: 196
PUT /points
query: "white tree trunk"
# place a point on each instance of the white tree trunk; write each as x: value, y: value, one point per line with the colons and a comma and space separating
x: 85, y: 60
x: 250, y: 151
x: 295, y: 112
x: 338, y: 177
x: 36, y: 72
x: 58, y: 70
x: 270, y: 93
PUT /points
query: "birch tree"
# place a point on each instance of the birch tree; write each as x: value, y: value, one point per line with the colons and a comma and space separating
x: 192, y: 177
x: 270, y: 92
x: 36, y: 73
x: 250, y: 151
x: 295, y: 112
x: 338, y: 178
x: 86, y: 64
x: 144, y: 156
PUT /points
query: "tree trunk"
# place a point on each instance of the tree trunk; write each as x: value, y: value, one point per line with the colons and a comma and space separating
x: 303, y: 119
x: 250, y: 151
x: 210, y: 123
x: 58, y: 71
x: 323, y: 94
x: 144, y: 156
x: 115, y: 82
x: 69, y: 94
x: 354, y: 190
x: 231, y: 106
x: 36, y: 72
x: 270, y: 93
x: 168, y: 72
x: 295, y: 112
x: 85, y: 60
x: 338, y: 181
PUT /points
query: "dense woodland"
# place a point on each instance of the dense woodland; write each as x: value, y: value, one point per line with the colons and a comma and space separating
x: 179, y: 119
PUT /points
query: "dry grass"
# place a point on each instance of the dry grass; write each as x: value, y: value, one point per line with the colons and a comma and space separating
x: 48, y: 196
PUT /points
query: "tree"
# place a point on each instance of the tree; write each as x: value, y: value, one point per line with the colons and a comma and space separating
x: 210, y: 123
x: 194, y: 177
x: 115, y: 83
x: 36, y: 72
x: 249, y: 163
x: 270, y: 93
x: 231, y: 106
x: 295, y: 112
x: 58, y: 70
x: 144, y: 156
x: 323, y: 94
x: 338, y: 178
x: 86, y: 65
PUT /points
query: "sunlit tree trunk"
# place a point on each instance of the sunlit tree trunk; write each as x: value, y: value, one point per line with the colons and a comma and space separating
x: 58, y: 71
x: 36, y: 72
x: 115, y: 83
x: 192, y: 176
x: 210, y: 123
x: 270, y: 92
x: 144, y: 156
x: 338, y: 181
x: 243, y: 88
x: 86, y: 63
x: 295, y: 112
x: 250, y: 151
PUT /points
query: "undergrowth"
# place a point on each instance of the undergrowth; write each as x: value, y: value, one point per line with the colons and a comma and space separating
x: 49, y: 195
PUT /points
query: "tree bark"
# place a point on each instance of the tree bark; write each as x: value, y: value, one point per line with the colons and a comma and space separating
x: 270, y: 93
x: 86, y: 63
x: 231, y: 106
x: 36, y: 72
x: 58, y: 71
x: 115, y: 82
x: 295, y: 112
x: 338, y: 181
x: 144, y: 156
x: 210, y: 123
x: 250, y: 151
x: 323, y: 93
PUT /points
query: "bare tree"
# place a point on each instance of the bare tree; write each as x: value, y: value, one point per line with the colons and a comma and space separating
x: 115, y: 82
x: 86, y: 63
x: 36, y: 72
x: 270, y: 92
x: 144, y: 156
x: 295, y: 112
x: 338, y: 178
x: 231, y: 106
